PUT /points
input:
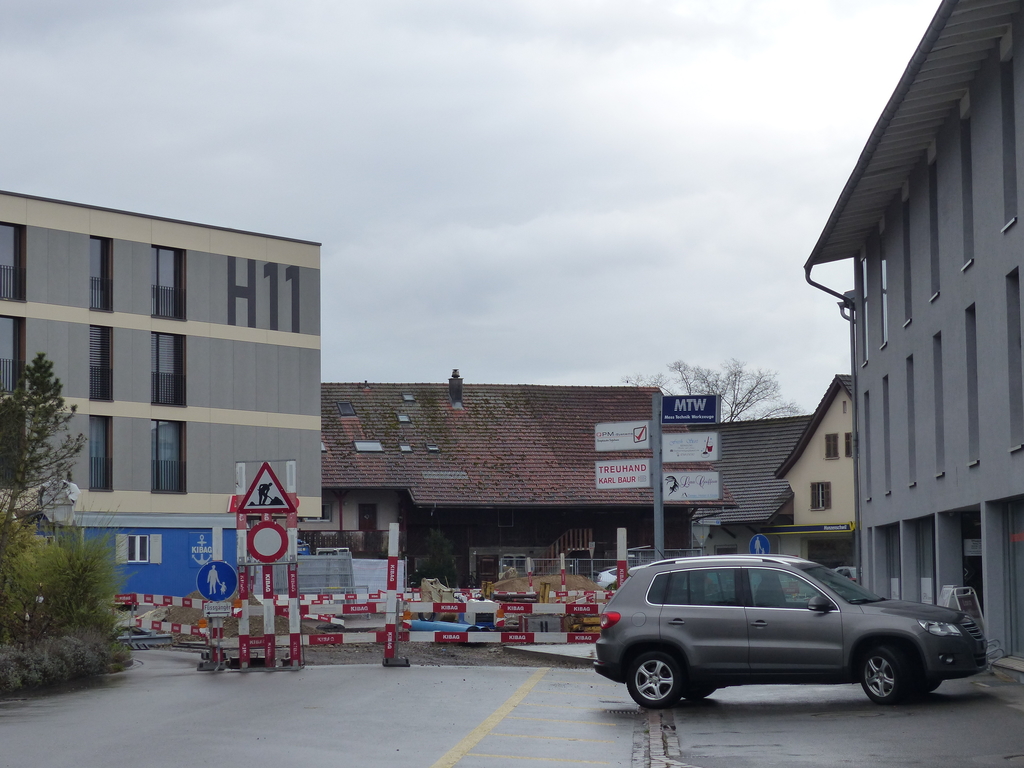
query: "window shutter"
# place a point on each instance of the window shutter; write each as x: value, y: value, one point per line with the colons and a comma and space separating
x: 121, y: 547
x: 156, y: 548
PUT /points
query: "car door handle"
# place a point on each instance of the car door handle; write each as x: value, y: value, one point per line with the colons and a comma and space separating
x: 759, y: 623
x: 677, y: 622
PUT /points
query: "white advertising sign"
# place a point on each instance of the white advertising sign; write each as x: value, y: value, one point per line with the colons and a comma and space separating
x: 691, y: 486
x: 623, y: 474
x: 689, y: 446
x: 621, y: 436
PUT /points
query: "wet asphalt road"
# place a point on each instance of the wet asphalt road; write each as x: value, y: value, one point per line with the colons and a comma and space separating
x: 974, y: 722
x: 164, y: 713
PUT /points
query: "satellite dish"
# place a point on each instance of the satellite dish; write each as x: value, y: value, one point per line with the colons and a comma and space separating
x: 73, y: 492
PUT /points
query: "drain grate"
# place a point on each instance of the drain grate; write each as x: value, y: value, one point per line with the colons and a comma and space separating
x: 624, y: 712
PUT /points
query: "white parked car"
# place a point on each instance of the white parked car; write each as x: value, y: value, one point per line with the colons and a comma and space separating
x: 607, y: 577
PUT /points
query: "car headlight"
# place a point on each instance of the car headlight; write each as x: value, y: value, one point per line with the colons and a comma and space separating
x: 940, y: 628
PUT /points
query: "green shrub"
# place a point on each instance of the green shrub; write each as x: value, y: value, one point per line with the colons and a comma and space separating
x: 54, y: 660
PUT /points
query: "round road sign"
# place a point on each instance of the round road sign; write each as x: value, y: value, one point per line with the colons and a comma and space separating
x: 267, y: 541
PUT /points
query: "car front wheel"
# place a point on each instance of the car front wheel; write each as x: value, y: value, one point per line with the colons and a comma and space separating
x: 887, y: 675
x: 655, y: 680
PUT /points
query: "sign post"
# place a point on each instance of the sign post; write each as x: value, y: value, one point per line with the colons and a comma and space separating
x: 659, y: 490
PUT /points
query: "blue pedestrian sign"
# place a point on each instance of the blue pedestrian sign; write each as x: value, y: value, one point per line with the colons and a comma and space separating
x: 759, y: 544
x: 217, y: 580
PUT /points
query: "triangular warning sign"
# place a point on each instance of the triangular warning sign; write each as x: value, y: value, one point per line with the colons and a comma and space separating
x: 266, y: 494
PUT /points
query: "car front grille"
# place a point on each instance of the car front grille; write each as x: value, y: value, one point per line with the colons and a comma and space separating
x: 972, y: 628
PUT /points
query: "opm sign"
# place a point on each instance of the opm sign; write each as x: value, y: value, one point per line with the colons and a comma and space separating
x: 690, y: 409
x: 621, y: 436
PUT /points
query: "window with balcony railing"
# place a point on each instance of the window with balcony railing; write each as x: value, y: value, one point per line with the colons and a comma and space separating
x: 168, y: 463
x: 168, y: 283
x: 12, y: 262
x: 100, y: 463
x: 11, y: 359
x: 101, y: 373
x: 101, y: 283
x: 168, y: 369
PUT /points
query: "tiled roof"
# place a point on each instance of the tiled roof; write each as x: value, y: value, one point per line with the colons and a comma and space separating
x: 751, y: 451
x: 508, y: 445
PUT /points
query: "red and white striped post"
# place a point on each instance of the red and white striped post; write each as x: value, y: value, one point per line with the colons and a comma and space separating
x: 529, y: 573
x: 244, y: 586
x: 622, y: 566
x: 561, y: 564
x: 294, y: 617
x: 391, y: 603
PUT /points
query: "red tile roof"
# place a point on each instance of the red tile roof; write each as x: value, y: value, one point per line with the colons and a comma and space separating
x: 508, y: 445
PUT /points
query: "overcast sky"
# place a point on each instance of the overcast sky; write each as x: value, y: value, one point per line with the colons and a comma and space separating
x: 532, y: 191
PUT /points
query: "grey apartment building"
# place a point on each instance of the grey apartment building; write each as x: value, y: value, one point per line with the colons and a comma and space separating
x: 186, y: 349
x: 929, y: 222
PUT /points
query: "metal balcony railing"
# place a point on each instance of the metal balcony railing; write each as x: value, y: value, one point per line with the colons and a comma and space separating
x: 101, y: 293
x: 169, y: 476
x: 12, y: 282
x: 168, y: 302
x: 168, y: 388
x: 101, y: 383
x: 10, y: 373
x: 101, y: 473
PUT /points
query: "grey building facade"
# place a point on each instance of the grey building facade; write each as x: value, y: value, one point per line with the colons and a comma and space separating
x: 929, y: 221
x: 186, y: 348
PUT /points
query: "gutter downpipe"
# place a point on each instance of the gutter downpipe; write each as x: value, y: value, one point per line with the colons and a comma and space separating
x: 848, y: 309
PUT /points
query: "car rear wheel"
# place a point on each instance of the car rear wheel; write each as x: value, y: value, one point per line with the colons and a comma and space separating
x: 655, y: 680
x: 887, y: 675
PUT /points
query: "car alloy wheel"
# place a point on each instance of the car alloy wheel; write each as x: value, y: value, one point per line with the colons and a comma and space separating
x: 655, y: 681
x: 886, y: 675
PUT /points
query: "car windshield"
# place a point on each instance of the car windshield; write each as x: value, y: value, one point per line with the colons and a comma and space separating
x: 850, y: 591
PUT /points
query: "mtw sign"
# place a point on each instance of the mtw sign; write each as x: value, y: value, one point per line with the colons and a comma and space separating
x: 690, y: 409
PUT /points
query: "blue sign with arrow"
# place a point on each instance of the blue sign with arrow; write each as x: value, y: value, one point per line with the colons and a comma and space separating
x: 217, y: 580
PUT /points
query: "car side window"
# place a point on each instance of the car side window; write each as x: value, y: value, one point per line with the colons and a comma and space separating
x: 779, y: 589
x: 656, y: 592
x: 713, y: 586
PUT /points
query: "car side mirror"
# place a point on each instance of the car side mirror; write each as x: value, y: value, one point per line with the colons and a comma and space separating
x: 820, y: 604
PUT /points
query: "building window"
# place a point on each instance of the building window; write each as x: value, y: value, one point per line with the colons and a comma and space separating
x: 12, y: 362
x: 368, y: 446
x: 973, y: 410
x: 100, y: 475
x: 138, y: 548
x: 886, y: 436
x: 168, y: 283
x: 168, y: 369
x: 832, y: 445
x: 12, y: 262
x: 100, y: 282
x: 967, y: 190
x: 1009, y: 142
x: 940, y: 410
x: 865, y: 333
x: 821, y: 495
x: 101, y: 377
x: 908, y: 294
x: 911, y: 424
x: 849, y: 444
x: 168, y: 454
x: 933, y: 226
x: 885, y: 295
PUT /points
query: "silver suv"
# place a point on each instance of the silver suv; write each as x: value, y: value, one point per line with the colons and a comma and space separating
x: 684, y: 628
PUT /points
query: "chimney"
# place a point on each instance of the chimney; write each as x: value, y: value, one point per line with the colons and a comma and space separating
x: 455, y: 389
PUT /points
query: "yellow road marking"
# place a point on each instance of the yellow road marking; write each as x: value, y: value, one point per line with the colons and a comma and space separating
x: 460, y: 750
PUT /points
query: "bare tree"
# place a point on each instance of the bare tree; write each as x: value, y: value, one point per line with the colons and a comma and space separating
x: 746, y: 393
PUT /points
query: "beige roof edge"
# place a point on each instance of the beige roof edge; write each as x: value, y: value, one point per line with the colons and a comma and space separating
x: 932, y: 36
x: 156, y: 218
